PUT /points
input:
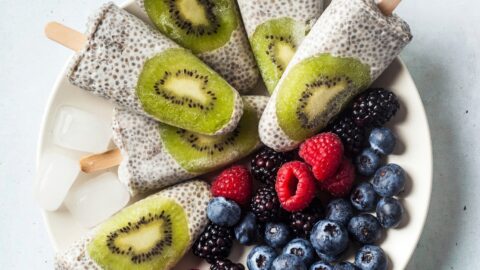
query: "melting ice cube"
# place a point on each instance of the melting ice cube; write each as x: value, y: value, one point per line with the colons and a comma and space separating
x: 96, y: 199
x: 80, y: 130
x: 56, y: 175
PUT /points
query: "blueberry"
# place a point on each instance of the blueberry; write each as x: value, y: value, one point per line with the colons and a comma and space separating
x: 246, y: 229
x: 223, y: 212
x: 288, y: 262
x: 321, y: 266
x: 329, y: 237
x: 389, y: 212
x: 261, y: 258
x: 367, y: 162
x: 329, y: 258
x: 339, y: 210
x: 345, y: 266
x: 301, y: 248
x: 365, y: 228
x: 371, y: 257
x: 276, y: 234
x: 382, y: 140
x: 389, y: 180
x: 363, y: 197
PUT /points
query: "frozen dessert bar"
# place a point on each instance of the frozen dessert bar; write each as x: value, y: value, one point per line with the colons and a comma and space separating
x: 351, y: 44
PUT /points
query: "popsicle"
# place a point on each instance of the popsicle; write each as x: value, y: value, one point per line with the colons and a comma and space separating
x: 275, y: 30
x: 213, y: 30
x: 153, y: 233
x: 130, y: 63
x: 153, y: 155
x: 351, y: 44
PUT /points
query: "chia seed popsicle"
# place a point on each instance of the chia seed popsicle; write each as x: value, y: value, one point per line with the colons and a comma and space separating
x: 351, y: 44
x: 133, y: 65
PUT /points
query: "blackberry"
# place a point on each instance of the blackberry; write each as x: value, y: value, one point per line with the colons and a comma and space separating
x: 375, y: 107
x: 303, y: 221
x: 265, y: 165
x: 214, y: 243
x: 352, y: 136
x: 266, y: 206
x: 226, y: 264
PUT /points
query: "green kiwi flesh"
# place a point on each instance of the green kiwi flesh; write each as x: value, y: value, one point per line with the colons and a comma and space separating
x: 274, y: 43
x: 198, y: 153
x: 150, y: 234
x: 176, y: 88
x: 315, y: 90
x: 198, y: 25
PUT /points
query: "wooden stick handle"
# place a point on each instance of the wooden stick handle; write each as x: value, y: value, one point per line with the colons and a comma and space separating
x: 98, y: 162
x: 388, y: 6
x: 66, y: 36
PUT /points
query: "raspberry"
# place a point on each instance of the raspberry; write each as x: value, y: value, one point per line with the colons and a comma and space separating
x: 265, y: 165
x: 340, y: 184
x: 295, y: 186
x: 235, y: 184
x: 324, y: 153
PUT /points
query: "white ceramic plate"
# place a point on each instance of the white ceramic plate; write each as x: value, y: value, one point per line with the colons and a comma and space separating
x: 413, y: 153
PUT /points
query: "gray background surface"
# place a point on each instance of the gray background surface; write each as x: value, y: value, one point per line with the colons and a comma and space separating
x: 444, y: 59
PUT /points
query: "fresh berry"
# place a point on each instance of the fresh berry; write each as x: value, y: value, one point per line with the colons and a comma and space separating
x: 375, y: 107
x: 295, y: 186
x: 223, y: 212
x: 276, y: 234
x: 301, y: 248
x: 302, y: 222
x: 288, y: 262
x: 371, y: 257
x: 261, y: 258
x: 266, y: 206
x: 339, y: 210
x: 329, y: 258
x: 363, y: 197
x: 214, y: 243
x: 329, y: 237
x: 389, y: 212
x: 365, y: 229
x: 353, y: 137
x: 341, y: 183
x: 324, y: 153
x: 345, y: 266
x: 320, y: 265
x: 226, y: 264
x: 265, y: 165
x: 246, y: 230
x: 367, y: 162
x: 235, y: 184
x: 382, y: 140
x: 389, y: 180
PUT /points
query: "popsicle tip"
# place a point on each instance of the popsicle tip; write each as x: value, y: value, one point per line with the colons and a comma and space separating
x: 388, y: 6
x: 64, y: 35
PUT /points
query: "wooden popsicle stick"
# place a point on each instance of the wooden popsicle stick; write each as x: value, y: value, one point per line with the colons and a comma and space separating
x: 66, y: 36
x: 388, y: 6
x: 98, y: 162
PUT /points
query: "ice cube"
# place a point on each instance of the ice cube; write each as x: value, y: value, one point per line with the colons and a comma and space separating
x: 80, y: 130
x: 56, y: 175
x: 96, y: 199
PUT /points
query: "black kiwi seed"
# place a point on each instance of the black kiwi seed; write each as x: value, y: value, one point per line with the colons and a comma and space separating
x: 166, y: 94
x: 217, y: 147
x: 145, y: 256
x: 197, y: 30
x: 271, y: 47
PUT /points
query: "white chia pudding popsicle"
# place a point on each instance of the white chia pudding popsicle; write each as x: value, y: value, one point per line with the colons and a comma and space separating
x: 275, y: 29
x: 346, y: 50
x: 133, y: 65
x: 153, y: 233
x: 213, y: 30
x: 157, y: 155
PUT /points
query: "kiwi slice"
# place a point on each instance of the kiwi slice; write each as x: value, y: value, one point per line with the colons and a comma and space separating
x: 151, y: 234
x: 178, y: 89
x: 274, y: 43
x: 198, y: 25
x: 198, y: 153
x: 315, y: 90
